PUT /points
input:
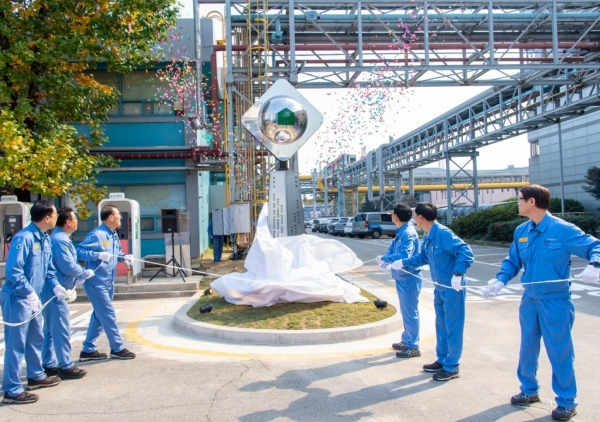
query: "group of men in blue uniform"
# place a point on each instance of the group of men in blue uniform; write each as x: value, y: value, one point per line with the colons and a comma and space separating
x: 542, y: 247
x: 41, y: 268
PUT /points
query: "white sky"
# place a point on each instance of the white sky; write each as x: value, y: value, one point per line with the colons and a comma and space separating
x: 413, y: 111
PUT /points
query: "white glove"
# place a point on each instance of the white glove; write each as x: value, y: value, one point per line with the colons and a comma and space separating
x: 104, y: 256
x: 397, y: 265
x: 34, y: 302
x: 384, y: 267
x: 60, y: 292
x: 457, y: 282
x: 88, y: 274
x: 379, y: 260
x: 128, y: 259
x: 494, y: 287
x: 71, y: 295
x: 590, y: 274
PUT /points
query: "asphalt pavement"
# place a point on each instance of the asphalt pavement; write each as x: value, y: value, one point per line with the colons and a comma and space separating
x: 182, y: 378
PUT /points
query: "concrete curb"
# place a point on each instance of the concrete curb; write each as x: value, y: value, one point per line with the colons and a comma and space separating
x: 203, y: 330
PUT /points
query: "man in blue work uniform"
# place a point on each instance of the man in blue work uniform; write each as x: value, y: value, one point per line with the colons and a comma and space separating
x: 448, y: 258
x: 56, y: 353
x: 543, y: 248
x: 408, y: 280
x: 28, y: 269
x: 101, y: 250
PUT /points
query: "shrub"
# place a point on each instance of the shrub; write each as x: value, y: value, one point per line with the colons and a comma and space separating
x: 477, y: 223
x: 587, y: 223
x: 571, y: 205
x: 503, y: 231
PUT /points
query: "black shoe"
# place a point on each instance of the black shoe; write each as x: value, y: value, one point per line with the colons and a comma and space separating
x: 95, y: 355
x: 51, y: 372
x: 72, y: 373
x: 22, y: 398
x: 442, y: 375
x: 408, y: 353
x: 563, y: 414
x: 123, y: 354
x: 433, y: 367
x: 46, y: 382
x: 523, y: 399
x: 398, y: 346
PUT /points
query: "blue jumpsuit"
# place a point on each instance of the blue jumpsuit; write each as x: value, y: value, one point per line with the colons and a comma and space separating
x: 446, y: 253
x: 28, y: 269
x: 100, y: 288
x: 57, y: 326
x: 406, y: 245
x: 546, y: 310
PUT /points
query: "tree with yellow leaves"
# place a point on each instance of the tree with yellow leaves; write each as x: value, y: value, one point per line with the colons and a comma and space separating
x: 46, y: 49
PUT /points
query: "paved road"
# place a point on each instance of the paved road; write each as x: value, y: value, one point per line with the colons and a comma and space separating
x: 176, y: 377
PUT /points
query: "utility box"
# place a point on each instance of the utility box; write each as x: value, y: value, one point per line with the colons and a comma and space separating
x: 130, y: 234
x: 240, y: 218
x: 14, y: 216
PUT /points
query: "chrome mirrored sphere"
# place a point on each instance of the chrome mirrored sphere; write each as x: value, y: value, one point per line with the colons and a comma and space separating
x: 282, y: 120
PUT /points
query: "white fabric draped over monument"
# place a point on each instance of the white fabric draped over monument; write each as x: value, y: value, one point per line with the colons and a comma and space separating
x: 291, y: 269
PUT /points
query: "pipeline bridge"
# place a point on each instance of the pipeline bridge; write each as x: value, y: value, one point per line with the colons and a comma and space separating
x: 540, y: 58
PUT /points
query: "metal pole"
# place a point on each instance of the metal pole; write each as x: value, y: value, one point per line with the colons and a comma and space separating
x: 560, y: 158
x: 314, y: 189
x: 326, y: 193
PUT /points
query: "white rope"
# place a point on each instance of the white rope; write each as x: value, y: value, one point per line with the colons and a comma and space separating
x: 33, y: 316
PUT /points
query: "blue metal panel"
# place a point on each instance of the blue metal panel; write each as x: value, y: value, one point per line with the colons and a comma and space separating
x: 145, y: 134
x: 153, y: 247
x: 141, y: 178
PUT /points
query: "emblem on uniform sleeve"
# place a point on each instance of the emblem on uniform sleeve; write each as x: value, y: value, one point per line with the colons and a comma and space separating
x: 19, y: 246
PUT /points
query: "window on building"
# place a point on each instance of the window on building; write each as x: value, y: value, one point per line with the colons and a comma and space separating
x: 535, y: 148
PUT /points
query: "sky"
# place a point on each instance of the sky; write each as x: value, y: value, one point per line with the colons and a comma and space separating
x: 401, y: 113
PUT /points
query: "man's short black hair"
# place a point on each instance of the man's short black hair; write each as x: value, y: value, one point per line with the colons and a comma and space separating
x: 403, y: 212
x: 426, y: 210
x: 64, y: 214
x: 107, y: 211
x: 41, y: 209
x: 539, y: 193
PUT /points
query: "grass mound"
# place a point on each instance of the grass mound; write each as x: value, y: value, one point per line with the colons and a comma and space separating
x: 289, y: 316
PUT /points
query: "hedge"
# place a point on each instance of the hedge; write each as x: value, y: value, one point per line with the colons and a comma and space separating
x: 477, y: 223
x: 503, y: 231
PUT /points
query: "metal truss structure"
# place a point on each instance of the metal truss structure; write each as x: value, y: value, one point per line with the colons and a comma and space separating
x: 541, y: 57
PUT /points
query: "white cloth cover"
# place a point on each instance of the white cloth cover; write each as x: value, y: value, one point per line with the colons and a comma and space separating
x: 297, y: 269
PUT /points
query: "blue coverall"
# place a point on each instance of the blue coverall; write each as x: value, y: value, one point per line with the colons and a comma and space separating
x: 218, y: 241
x: 446, y: 253
x: 28, y: 269
x: 57, y: 326
x: 100, y: 288
x: 546, y: 311
x: 408, y: 286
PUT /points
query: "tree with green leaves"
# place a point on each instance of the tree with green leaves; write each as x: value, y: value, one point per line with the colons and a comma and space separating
x: 47, y: 51
x: 593, y: 182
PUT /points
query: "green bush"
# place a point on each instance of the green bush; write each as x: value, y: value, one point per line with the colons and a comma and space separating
x: 477, y: 223
x: 571, y: 205
x: 503, y: 231
x: 587, y: 223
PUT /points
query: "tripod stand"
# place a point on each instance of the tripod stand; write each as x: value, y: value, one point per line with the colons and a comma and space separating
x: 176, y: 267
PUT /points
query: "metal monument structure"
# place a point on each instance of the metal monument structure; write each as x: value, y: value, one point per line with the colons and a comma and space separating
x: 541, y: 58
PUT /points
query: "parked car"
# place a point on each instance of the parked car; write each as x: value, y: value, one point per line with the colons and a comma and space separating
x: 338, y: 230
x: 348, y: 227
x: 323, y: 225
x: 308, y: 224
x: 331, y: 224
x: 315, y: 225
x: 374, y: 224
